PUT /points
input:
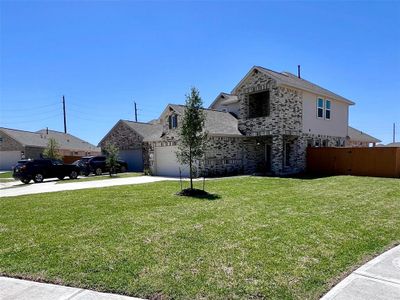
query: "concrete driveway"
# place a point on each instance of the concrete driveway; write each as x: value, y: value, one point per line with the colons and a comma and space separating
x: 16, y: 188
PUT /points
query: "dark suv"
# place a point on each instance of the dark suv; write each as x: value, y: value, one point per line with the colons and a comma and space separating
x: 97, y: 165
x: 39, y: 169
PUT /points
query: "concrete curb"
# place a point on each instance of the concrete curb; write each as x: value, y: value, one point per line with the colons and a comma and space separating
x: 377, y: 279
x: 19, y: 289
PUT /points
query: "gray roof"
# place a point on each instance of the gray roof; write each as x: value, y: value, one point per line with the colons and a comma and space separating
x: 393, y: 145
x: 226, y: 99
x: 144, y: 129
x: 41, y: 138
x: 359, y: 136
x: 217, y: 122
x: 289, y: 79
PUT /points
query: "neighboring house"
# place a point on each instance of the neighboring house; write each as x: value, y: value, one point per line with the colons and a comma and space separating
x: 128, y: 137
x: 357, y: 138
x: 393, y: 145
x: 264, y: 125
x: 19, y: 144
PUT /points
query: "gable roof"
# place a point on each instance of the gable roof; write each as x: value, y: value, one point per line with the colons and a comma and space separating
x: 144, y: 129
x: 41, y: 138
x: 225, y: 99
x: 291, y: 80
x: 359, y: 136
x: 216, y: 123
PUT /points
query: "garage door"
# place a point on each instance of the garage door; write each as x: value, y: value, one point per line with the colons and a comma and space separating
x: 8, y: 159
x: 133, y: 158
x: 167, y: 164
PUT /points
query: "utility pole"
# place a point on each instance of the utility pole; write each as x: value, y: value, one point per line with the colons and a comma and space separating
x: 135, y: 112
x: 65, y: 116
x: 394, y: 132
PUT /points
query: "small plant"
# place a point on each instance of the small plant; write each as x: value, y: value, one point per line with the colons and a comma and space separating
x: 147, y: 171
x: 112, y: 152
x: 52, y: 150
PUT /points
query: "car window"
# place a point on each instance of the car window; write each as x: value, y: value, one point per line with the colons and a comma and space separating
x: 57, y: 162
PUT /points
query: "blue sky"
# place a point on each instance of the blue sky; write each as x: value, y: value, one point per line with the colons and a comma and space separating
x: 103, y: 55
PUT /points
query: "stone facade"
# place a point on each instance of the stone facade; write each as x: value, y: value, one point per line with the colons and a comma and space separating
x: 281, y: 129
x: 9, y: 144
x: 124, y: 137
x: 271, y: 144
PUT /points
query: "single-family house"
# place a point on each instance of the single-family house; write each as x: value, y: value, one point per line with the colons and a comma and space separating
x: 358, y: 138
x: 263, y: 125
x: 18, y: 144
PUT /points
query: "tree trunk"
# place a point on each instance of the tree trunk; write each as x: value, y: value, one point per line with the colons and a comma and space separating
x: 190, y: 168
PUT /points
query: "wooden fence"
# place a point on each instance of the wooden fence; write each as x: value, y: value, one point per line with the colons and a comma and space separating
x: 375, y: 161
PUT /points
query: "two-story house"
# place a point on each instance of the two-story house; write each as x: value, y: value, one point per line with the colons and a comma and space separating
x: 263, y: 126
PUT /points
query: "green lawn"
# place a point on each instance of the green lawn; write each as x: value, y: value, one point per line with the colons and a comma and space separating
x: 101, y: 177
x: 6, y: 177
x: 7, y: 174
x: 262, y: 238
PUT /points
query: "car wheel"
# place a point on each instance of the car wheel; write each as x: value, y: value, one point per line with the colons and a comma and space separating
x: 98, y: 171
x: 25, y: 180
x: 60, y: 177
x: 73, y: 175
x: 123, y: 169
x: 38, y: 178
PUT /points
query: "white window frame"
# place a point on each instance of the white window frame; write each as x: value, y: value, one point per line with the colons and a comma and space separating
x: 328, y: 109
x: 323, y: 107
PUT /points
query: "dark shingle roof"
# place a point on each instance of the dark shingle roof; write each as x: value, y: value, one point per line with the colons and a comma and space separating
x: 41, y: 138
x: 217, y: 122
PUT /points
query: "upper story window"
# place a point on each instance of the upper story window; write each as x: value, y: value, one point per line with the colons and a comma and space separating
x: 323, y: 108
x: 320, y: 108
x: 259, y: 105
x: 173, y: 121
x: 327, y: 109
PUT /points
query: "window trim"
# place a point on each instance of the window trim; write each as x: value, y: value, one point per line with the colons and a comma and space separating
x: 318, y: 107
x: 326, y: 109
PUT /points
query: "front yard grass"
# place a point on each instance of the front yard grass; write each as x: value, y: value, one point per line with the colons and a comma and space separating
x: 7, y: 174
x: 270, y: 238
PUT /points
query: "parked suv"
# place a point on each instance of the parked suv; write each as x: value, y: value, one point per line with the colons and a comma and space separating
x: 39, y: 169
x: 97, y: 165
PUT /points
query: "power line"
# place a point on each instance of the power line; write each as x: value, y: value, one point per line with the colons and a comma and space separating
x: 26, y: 114
x: 30, y: 108
x: 34, y: 120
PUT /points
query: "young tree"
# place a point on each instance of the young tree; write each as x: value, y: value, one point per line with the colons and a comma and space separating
x: 192, y: 137
x: 112, y: 157
x: 52, y: 150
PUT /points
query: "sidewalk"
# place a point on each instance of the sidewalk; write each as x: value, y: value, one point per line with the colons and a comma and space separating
x: 17, y: 289
x: 17, y: 189
x: 377, y: 279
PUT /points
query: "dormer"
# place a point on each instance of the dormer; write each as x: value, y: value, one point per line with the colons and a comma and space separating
x: 227, y: 103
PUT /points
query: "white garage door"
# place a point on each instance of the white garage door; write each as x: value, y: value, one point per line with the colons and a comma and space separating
x: 8, y: 159
x: 167, y: 164
x: 133, y: 158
